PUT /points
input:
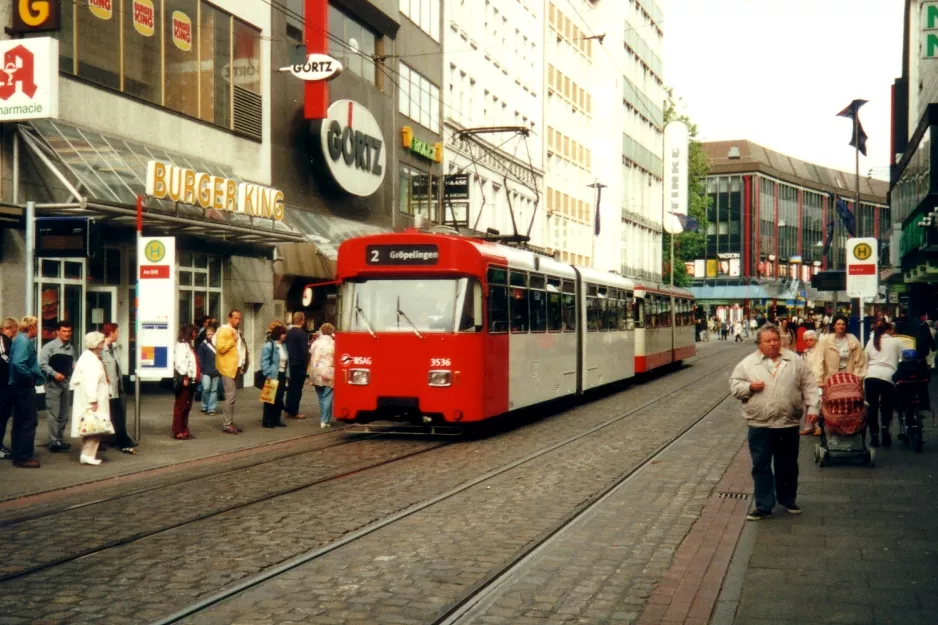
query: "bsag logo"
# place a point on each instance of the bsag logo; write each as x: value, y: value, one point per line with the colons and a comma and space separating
x: 347, y: 360
x: 19, y: 69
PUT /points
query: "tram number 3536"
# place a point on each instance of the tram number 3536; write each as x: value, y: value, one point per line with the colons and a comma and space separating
x: 440, y: 362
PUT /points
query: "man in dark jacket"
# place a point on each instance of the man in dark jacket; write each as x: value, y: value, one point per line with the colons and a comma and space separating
x: 297, y: 342
x: 924, y: 341
x: 24, y: 377
x: 7, y: 332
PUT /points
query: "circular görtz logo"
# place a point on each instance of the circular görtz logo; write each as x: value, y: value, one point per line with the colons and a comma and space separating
x: 154, y: 251
x: 862, y: 251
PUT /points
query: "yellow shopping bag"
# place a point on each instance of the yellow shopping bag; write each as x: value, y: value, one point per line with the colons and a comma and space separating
x: 269, y: 392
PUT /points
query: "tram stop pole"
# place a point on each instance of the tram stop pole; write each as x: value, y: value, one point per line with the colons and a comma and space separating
x: 137, y: 322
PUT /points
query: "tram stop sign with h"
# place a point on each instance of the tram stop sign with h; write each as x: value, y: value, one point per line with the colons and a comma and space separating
x: 862, y: 267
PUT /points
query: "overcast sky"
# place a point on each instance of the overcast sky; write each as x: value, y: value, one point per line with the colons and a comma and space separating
x: 777, y: 72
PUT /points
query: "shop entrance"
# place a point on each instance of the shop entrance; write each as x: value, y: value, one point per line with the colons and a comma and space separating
x: 100, y: 307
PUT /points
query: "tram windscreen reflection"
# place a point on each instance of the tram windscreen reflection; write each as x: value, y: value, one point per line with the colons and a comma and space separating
x: 401, y: 305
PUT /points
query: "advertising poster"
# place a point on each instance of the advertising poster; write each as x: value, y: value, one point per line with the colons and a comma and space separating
x: 711, y: 267
x: 156, y: 299
x: 734, y: 268
x: 700, y: 268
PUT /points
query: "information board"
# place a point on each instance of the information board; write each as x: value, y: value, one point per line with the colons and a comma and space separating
x: 156, y: 301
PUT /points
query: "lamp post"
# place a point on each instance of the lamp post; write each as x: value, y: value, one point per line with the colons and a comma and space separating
x: 598, y: 187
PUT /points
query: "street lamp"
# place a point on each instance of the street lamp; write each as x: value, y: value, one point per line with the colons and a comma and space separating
x: 598, y: 187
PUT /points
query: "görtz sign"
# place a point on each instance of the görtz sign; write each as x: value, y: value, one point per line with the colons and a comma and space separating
x: 166, y: 181
x: 353, y: 148
x: 29, y: 79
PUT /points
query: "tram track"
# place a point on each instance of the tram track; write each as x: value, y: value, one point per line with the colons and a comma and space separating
x: 13, y: 520
x: 137, y: 536
x: 319, y: 552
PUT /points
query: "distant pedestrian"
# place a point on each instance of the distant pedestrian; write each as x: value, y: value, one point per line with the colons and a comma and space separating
x: 202, y: 323
x: 810, y: 357
x: 57, y: 360
x: 884, y: 353
x: 787, y: 334
x: 322, y: 371
x: 112, y: 366
x: 210, y: 379
x: 297, y: 346
x: 738, y: 332
x: 185, y: 374
x: 774, y: 386
x: 92, y: 394
x: 724, y: 330
x: 231, y: 358
x: 273, y: 365
x: 8, y: 330
x: 25, y: 376
x: 924, y: 339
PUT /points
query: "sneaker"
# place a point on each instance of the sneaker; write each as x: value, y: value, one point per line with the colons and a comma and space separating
x: 212, y: 413
x: 5, y: 454
x: 325, y: 425
x: 793, y: 509
x: 758, y: 515
x: 59, y: 447
x: 203, y: 412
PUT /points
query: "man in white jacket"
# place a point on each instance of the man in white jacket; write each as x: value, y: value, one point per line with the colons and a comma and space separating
x: 774, y: 385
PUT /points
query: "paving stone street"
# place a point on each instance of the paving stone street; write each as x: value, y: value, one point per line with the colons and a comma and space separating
x: 625, y: 508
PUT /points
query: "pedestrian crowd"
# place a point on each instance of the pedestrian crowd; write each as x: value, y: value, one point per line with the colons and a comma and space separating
x: 783, y: 381
x: 88, y: 390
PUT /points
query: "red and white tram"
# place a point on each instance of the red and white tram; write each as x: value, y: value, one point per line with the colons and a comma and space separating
x: 449, y: 329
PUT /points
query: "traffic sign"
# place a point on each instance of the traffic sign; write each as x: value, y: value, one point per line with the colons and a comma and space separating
x: 862, y: 267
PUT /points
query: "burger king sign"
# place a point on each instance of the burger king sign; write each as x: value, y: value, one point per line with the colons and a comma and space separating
x: 144, y: 17
x: 182, y: 31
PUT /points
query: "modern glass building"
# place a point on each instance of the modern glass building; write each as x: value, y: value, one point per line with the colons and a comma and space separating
x: 767, y: 221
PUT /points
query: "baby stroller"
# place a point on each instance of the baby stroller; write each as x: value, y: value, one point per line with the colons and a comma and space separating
x: 843, y: 422
x: 911, y: 378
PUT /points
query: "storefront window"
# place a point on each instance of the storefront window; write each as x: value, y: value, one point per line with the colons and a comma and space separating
x: 60, y: 296
x: 199, y: 286
x: 215, y: 47
x: 176, y: 53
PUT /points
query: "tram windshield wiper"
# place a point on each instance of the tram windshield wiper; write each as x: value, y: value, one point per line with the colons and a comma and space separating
x: 359, y: 313
x: 401, y: 313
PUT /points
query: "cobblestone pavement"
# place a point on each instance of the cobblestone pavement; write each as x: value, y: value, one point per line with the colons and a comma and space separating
x: 865, y: 551
x: 410, y: 571
x: 149, y: 578
x: 603, y: 567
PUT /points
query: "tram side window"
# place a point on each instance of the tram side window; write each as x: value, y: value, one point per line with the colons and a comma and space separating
x: 594, y: 309
x: 537, y: 299
x: 612, y: 310
x: 569, y: 306
x: 638, y: 310
x: 554, y: 306
x: 629, y: 311
x: 678, y: 312
x: 518, y: 304
x: 498, y: 300
x: 666, y: 309
x: 470, y: 319
x: 623, y: 315
x: 651, y: 311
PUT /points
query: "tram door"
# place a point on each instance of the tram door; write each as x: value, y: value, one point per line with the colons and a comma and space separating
x: 100, y: 307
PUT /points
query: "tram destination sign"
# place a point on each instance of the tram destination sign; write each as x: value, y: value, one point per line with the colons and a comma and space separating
x: 402, y: 254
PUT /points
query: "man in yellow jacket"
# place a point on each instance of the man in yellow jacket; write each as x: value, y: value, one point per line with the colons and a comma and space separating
x: 231, y: 358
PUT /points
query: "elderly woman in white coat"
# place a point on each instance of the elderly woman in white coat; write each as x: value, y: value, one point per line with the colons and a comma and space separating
x: 90, y: 383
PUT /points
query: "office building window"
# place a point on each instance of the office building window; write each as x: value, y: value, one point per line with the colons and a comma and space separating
x: 419, y: 99
x: 425, y: 14
x: 185, y: 55
x: 357, y: 50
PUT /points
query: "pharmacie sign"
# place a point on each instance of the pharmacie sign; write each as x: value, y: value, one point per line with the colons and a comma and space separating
x: 166, y: 181
x: 29, y: 79
x: 430, y: 151
x: 353, y: 148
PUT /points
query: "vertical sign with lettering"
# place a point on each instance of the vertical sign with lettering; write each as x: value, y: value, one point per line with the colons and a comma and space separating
x: 156, y: 296
x: 676, y: 142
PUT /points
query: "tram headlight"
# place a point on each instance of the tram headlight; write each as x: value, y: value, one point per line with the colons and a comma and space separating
x: 440, y: 378
x: 359, y: 377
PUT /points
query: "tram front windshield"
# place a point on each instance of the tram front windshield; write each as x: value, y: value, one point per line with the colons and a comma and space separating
x: 407, y: 305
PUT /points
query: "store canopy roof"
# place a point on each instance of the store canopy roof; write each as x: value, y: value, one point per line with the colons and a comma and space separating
x: 746, y: 288
x: 101, y: 175
x: 328, y: 232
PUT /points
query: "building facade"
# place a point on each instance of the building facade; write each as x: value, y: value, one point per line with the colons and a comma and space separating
x: 913, y: 189
x: 767, y: 224
x: 494, y: 89
x: 180, y: 82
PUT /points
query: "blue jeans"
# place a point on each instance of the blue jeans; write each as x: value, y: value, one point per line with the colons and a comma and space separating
x: 209, y: 392
x: 778, y: 447
x: 325, y: 403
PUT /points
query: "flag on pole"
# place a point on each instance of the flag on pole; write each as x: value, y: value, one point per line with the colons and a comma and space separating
x: 688, y: 223
x: 828, y: 239
x: 852, y: 111
x: 847, y: 218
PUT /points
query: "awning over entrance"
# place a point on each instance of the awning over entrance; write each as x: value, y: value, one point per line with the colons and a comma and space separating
x: 327, y: 231
x: 100, y: 175
x: 727, y: 292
